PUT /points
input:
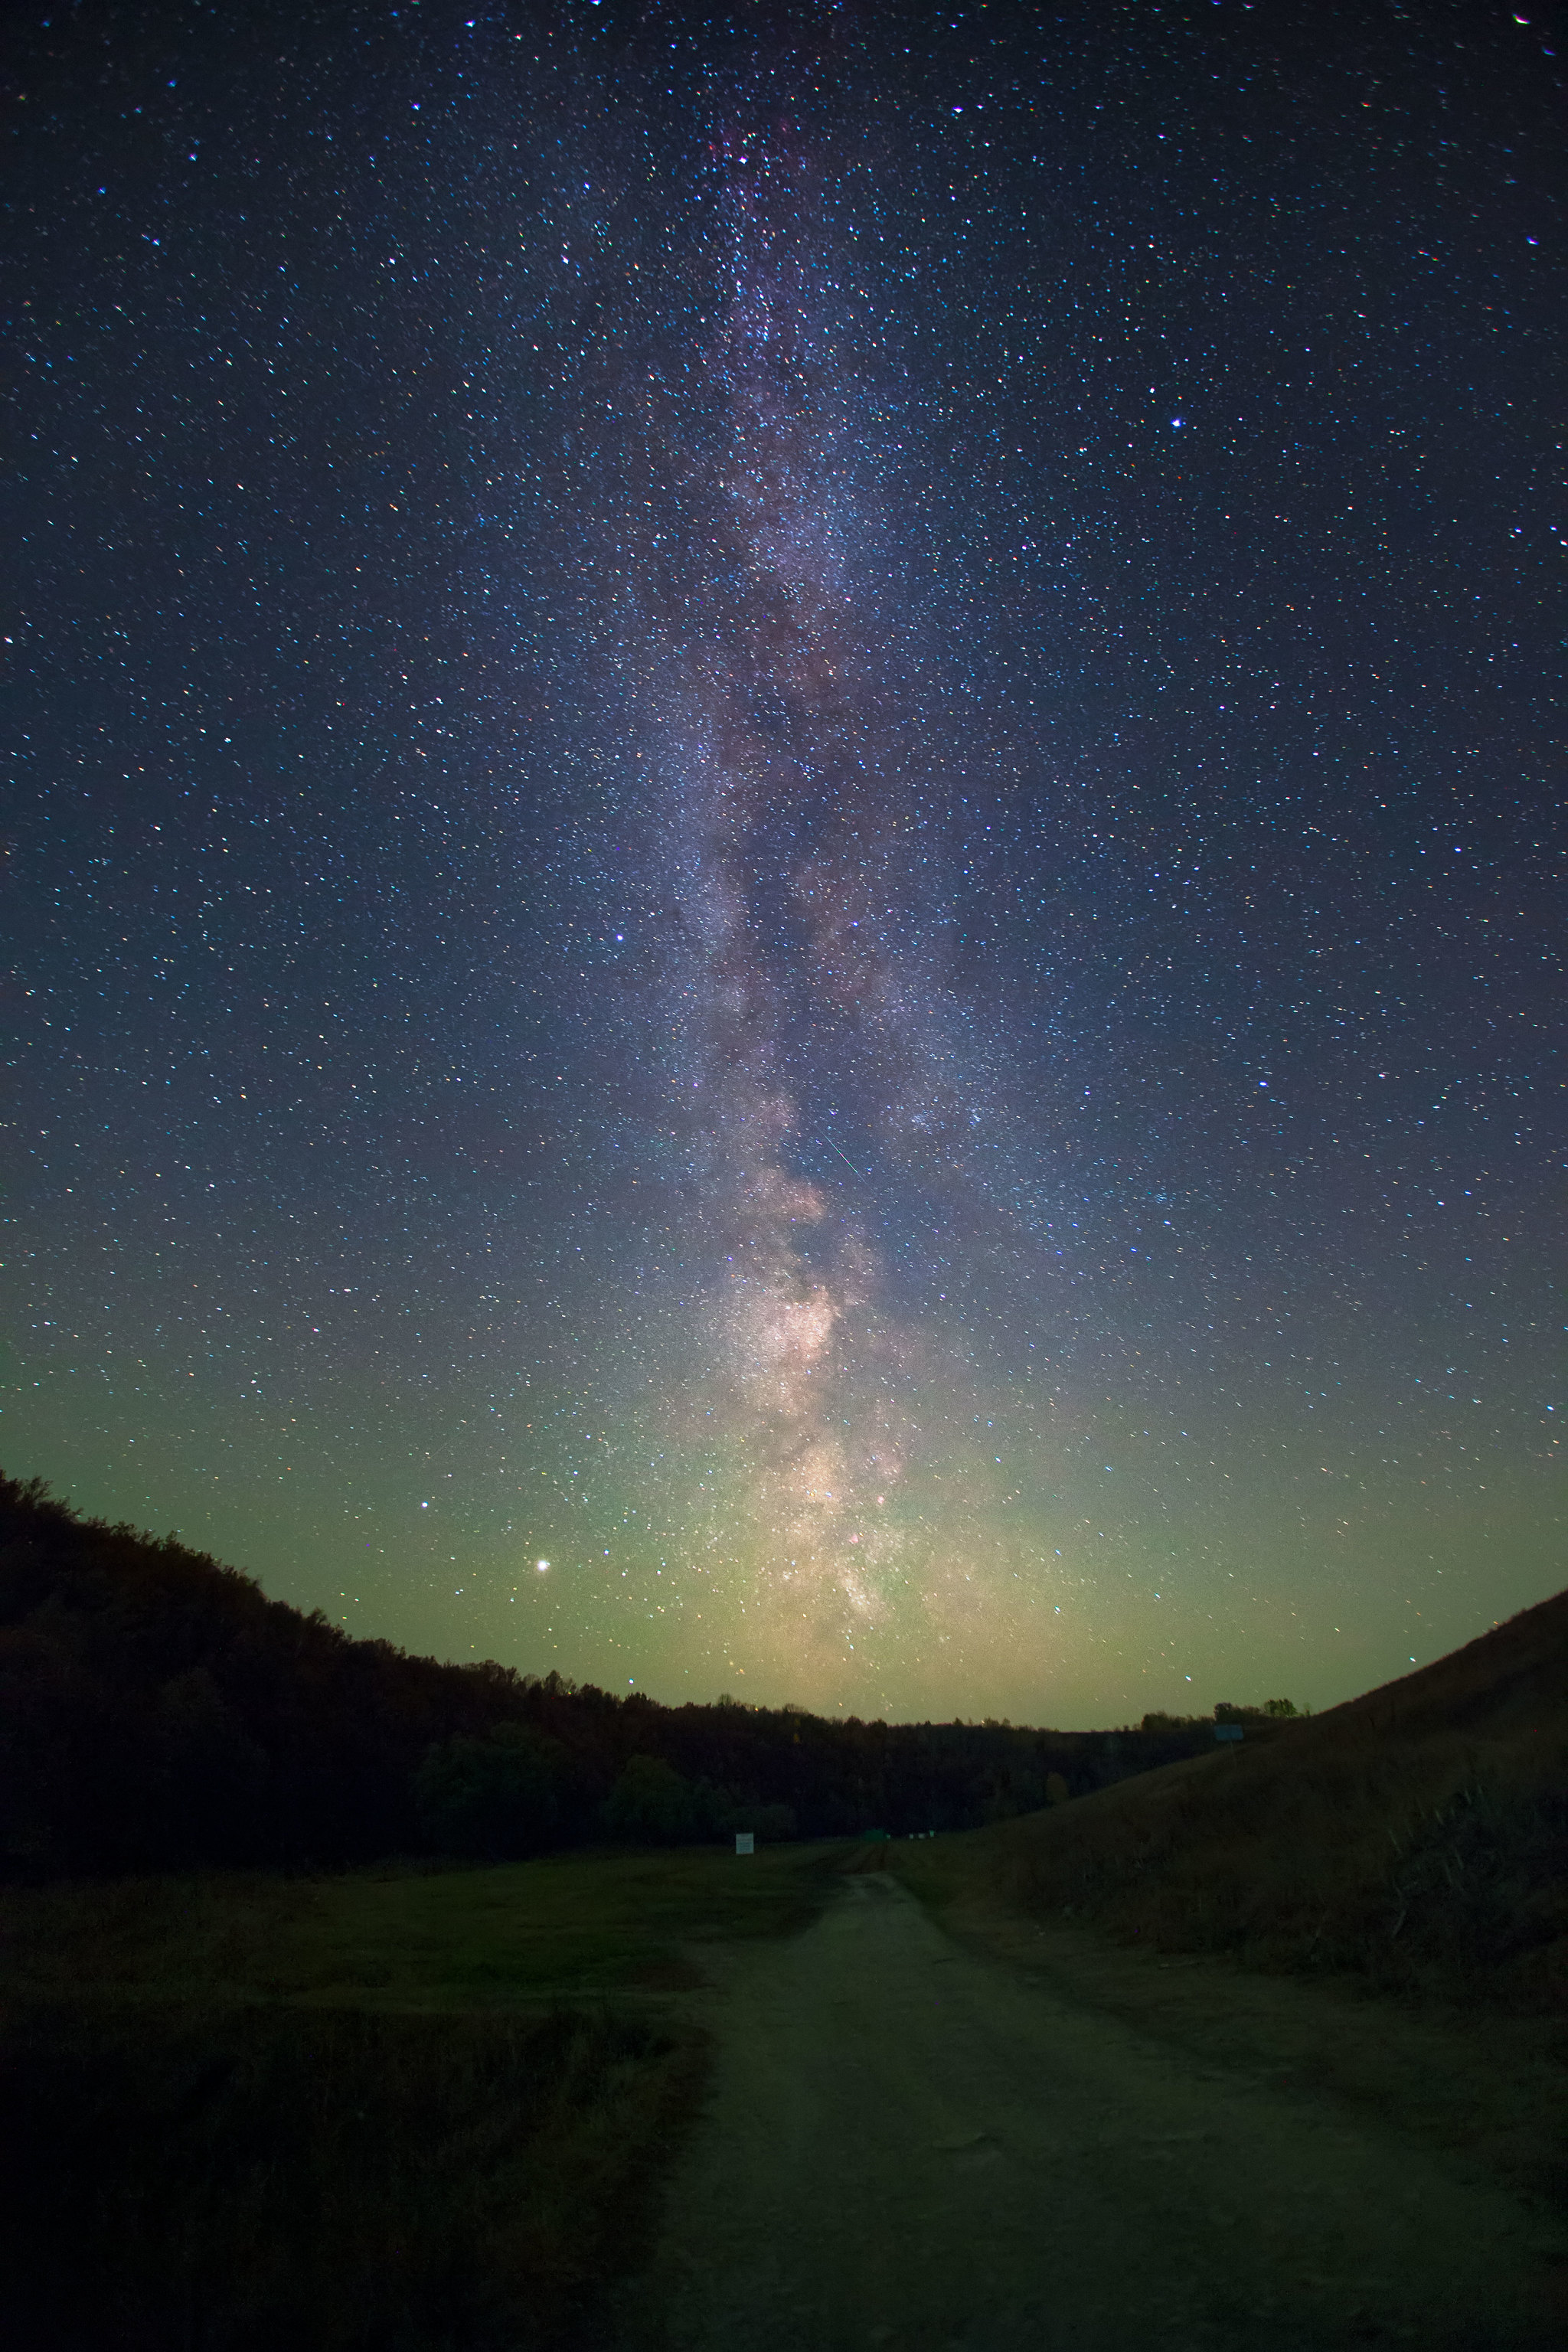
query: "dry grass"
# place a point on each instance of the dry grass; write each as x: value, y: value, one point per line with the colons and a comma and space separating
x: 1417, y: 1837
x: 238, y: 2178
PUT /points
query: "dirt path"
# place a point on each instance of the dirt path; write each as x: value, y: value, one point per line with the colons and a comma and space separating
x: 914, y: 2146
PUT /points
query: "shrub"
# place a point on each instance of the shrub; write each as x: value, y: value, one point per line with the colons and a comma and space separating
x: 651, y: 1804
x: 499, y: 1794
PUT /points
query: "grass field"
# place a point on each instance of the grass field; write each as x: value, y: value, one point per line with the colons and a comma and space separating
x: 399, y: 1937
x: 397, y: 2108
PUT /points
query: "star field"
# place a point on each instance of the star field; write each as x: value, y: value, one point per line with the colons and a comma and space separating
x: 784, y: 832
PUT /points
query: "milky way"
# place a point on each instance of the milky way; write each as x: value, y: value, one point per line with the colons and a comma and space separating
x: 810, y: 1011
x: 785, y: 860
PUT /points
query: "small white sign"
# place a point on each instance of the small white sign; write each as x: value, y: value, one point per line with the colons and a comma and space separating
x: 745, y: 1841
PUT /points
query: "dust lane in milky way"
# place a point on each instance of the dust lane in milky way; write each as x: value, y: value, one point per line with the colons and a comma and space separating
x: 785, y: 845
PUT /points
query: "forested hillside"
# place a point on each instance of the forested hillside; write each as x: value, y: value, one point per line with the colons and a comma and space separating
x: 157, y: 1710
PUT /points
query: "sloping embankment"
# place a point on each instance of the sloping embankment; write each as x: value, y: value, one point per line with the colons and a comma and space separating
x: 1418, y: 1836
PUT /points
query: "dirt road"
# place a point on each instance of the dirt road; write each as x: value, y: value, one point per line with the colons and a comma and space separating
x: 913, y: 2146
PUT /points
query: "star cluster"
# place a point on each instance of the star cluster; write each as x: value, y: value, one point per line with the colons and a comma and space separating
x: 782, y: 845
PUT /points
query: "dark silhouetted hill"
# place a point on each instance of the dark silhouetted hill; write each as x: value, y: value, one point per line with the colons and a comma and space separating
x: 158, y: 1710
x: 1417, y: 1836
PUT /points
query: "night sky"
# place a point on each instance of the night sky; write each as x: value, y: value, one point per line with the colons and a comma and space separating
x: 784, y: 825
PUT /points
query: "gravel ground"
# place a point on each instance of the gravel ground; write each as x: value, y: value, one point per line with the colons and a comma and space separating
x: 915, y: 2144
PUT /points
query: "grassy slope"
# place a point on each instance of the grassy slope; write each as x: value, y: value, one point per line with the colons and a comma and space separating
x: 386, y: 2109
x: 1418, y: 1836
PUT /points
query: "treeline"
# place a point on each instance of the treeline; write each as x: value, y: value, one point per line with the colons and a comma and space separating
x: 157, y: 1710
